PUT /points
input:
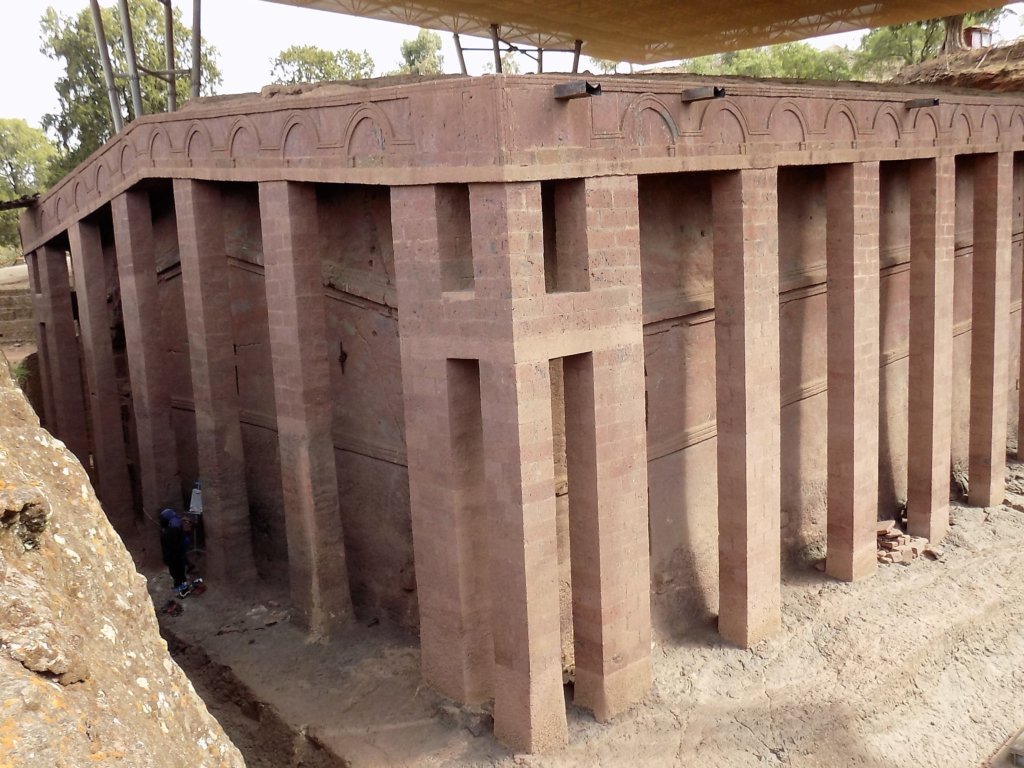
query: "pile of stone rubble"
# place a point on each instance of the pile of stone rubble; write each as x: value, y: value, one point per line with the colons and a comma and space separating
x: 895, y: 546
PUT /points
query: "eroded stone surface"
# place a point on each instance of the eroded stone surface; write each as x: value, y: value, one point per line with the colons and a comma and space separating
x: 85, y: 678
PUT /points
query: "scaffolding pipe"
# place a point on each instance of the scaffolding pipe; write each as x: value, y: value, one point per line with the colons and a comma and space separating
x: 108, y: 71
x: 540, y: 61
x: 497, y: 50
x: 197, y: 52
x: 172, y: 84
x: 129, y: 53
x: 458, y: 51
x: 576, y: 56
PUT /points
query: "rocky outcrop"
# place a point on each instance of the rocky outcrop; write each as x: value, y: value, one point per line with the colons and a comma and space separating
x: 85, y: 678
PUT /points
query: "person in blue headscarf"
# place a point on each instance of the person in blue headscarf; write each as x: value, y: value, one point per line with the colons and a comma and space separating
x: 173, y: 548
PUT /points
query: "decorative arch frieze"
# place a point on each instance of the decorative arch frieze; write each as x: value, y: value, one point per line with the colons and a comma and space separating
x: 299, y: 138
x: 368, y: 132
x: 841, y: 123
x: 786, y: 122
x: 645, y: 118
x: 243, y: 139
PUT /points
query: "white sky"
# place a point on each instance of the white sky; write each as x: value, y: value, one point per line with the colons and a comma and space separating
x: 247, y: 42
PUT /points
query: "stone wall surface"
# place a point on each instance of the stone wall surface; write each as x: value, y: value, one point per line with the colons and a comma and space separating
x: 85, y: 678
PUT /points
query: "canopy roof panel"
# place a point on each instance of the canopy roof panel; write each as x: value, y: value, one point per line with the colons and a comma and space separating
x: 646, y: 31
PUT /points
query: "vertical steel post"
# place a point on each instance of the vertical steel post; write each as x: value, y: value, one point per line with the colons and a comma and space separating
x: 576, y: 56
x: 108, y: 72
x: 129, y: 53
x: 197, y: 52
x: 497, y: 50
x: 172, y: 84
x: 458, y: 51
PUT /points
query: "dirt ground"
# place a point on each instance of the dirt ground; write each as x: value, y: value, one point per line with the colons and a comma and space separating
x: 922, y: 664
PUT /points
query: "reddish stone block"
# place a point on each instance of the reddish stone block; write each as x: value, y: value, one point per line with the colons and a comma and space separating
x: 932, y: 201
x: 151, y: 403
x: 205, y: 281
x: 109, y: 450
x: 747, y: 385
x: 316, y: 544
x: 853, y: 316
x: 990, y: 329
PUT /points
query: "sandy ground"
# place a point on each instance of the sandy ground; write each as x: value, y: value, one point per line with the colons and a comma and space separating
x: 922, y: 664
x: 14, y: 277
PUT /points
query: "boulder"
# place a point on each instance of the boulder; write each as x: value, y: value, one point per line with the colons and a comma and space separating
x: 85, y: 678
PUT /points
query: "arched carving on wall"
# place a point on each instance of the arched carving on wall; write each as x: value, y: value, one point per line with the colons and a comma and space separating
x: 961, y: 126
x: 159, y: 145
x: 786, y: 122
x: 926, y: 127
x: 197, y: 143
x: 840, y: 123
x: 127, y: 158
x: 886, y: 125
x: 369, y: 132
x: 723, y: 123
x: 299, y: 137
x: 647, y: 121
x: 60, y: 208
x: 102, y: 178
x: 243, y: 139
x: 1017, y: 124
x: 991, y: 130
x: 81, y: 193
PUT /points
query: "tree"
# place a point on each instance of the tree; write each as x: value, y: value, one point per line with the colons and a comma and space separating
x: 798, y: 60
x: 310, y: 64
x: 25, y: 155
x: 82, y: 122
x: 885, y: 51
x: 509, y: 64
x: 422, y: 55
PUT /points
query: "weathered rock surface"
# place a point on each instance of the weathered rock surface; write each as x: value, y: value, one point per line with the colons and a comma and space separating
x: 85, y: 678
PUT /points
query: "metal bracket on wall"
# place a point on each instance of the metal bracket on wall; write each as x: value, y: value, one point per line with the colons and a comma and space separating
x: 920, y: 103
x: 702, y: 93
x: 577, y: 89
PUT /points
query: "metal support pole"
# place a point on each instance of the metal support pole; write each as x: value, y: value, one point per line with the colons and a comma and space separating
x: 197, y: 52
x: 497, y: 50
x: 540, y: 61
x: 576, y: 56
x: 458, y: 51
x: 172, y: 85
x: 129, y: 53
x: 108, y: 71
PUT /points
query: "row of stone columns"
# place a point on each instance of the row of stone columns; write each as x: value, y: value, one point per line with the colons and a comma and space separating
x: 297, y: 317
x: 475, y: 368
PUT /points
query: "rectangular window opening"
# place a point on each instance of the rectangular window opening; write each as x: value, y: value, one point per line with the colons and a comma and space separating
x: 564, y: 214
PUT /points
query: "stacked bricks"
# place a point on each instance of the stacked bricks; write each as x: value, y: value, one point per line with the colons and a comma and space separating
x: 505, y: 325
x: 205, y: 280
x: 147, y: 357
x: 990, y: 330
x: 931, y: 345
x: 318, y: 577
x: 58, y: 346
x: 109, y: 454
x: 746, y: 274
x: 853, y: 313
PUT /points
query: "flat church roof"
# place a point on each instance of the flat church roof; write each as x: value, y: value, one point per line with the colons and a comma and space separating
x: 646, y: 31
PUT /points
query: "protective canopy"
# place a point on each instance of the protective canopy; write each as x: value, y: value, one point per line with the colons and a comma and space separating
x: 645, y: 31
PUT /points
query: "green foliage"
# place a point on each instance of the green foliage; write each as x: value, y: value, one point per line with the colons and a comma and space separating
x: 422, y: 55
x: 798, y: 60
x: 25, y: 158
x: 885, y: 51
x: 509, y: 64
x: 310, y: 64
x: 82, y: 122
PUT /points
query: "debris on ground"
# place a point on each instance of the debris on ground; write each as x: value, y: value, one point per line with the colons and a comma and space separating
x: 895, y: 546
